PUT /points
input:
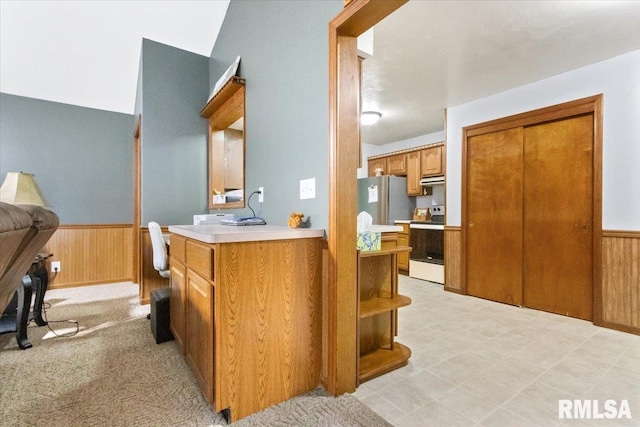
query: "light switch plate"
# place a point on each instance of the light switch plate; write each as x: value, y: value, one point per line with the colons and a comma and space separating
x: 307, y: 188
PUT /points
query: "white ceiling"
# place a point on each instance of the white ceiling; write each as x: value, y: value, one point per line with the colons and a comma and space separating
x: 87, y: 53
x: 430, y: 55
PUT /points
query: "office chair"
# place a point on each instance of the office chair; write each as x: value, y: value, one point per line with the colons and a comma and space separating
x: 159, y: 315
x: 160, y: 259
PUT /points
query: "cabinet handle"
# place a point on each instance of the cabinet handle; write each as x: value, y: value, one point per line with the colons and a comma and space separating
x: 470, y: 224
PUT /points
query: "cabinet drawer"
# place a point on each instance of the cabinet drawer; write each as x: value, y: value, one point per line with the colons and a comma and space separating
x: 200, y: 259
x: 177, y: 247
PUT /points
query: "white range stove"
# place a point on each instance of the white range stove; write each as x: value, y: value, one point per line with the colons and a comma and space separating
x: 426, y: 260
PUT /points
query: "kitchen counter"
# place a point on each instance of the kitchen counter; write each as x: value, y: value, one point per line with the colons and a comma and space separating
x: 385, y: 228
x: 402, y: 221
x: 246, y: 233
x: 241, y: 294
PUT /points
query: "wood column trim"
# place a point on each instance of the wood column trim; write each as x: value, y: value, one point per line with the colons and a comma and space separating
x: 344, y: 86
x: 135, y: 232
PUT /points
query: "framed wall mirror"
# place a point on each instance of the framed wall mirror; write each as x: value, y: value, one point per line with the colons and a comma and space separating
x: 225, y: 112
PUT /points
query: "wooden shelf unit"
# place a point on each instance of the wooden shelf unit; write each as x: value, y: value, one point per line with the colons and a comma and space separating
x: 381, y: 361
x: 378, y: 306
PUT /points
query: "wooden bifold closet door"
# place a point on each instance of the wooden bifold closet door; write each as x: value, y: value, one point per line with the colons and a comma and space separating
x: 529, y: 211
x: 494, y: 229
x: 558, y: 216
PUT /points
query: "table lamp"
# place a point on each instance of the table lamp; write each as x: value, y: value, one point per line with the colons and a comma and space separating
x: 20, y: 188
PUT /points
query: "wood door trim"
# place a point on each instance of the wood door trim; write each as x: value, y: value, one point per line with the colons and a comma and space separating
x: 359, y: 16
x: 541, y: 115
x: 137, y: 191
x: 588, y: 105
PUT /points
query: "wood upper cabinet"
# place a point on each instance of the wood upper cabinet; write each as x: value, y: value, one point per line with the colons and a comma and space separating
x: 413, y: 174
x: 397, y: 165
x: 377, y: 163
x: 431, y: 161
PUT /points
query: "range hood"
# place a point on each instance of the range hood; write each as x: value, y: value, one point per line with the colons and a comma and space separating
x: 430, y: 182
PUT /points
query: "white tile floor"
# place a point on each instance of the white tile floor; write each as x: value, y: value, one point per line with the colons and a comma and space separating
x: 481, y: 363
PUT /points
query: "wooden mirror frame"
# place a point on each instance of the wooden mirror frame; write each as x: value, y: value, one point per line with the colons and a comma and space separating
x: 224, y: 109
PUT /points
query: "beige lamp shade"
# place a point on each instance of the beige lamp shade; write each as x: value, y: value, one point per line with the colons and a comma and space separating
x: 20, y: 188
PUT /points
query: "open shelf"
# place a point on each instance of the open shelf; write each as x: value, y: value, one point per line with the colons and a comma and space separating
x: 226, y: 92
x: 374, y: 306
x: 383, y: 360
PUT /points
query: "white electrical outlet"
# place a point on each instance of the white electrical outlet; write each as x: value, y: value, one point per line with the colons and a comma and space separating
x: 55, y: 266
x: 307, y: 188
x: 261, y: 195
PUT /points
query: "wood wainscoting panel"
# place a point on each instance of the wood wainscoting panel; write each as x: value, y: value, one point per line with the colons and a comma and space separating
x: 621, y: 280
x: 452, y: 257
x: 91, y: 254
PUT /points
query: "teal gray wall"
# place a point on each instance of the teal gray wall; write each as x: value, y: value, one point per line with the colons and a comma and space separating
x: 81, y: 157
x: 284, y: 47
x: 172, y: 90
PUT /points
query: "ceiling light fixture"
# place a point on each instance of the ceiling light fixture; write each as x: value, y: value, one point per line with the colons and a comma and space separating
x: 369, y: 117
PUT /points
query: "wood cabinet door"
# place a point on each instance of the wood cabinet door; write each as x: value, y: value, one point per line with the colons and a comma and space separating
x: 413, y: 174
x: 397, y: 165
x: 177, y: 302
x: 377, y: 163
x: 431, y: 161
x: 494, y: 216
x: 403, y: 257
x: 199, y: 327
x: 558, y: 218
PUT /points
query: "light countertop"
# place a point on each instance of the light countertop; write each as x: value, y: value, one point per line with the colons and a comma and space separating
x: 247, y: 233
x: 402, y: 221
x: 385, y: 228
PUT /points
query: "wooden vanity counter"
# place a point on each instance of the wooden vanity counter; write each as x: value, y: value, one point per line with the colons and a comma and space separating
x: 246, y: 311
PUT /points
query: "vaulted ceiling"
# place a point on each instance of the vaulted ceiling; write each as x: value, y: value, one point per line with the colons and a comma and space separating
x: 428, y: 55
x: 87, y: 53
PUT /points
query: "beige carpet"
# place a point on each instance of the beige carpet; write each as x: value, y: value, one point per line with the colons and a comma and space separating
x: 113, y: 374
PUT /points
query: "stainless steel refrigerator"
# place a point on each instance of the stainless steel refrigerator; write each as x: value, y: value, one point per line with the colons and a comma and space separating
x: 385, y: 198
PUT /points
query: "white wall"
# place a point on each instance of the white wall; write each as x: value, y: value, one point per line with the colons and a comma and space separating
x: 619, y: 80
x: 369, y: 150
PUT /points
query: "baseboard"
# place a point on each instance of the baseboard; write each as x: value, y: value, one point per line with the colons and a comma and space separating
x: 454, y: 290
x: 618, y: 327
x: 90, y: 283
